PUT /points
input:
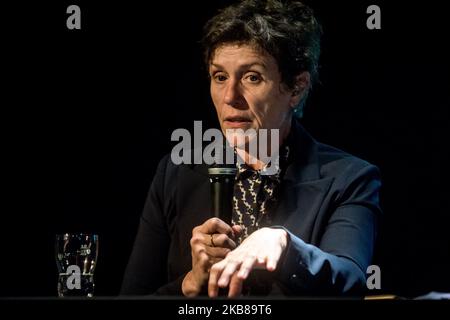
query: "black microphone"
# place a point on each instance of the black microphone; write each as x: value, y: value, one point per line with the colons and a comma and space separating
x: 222, y: 183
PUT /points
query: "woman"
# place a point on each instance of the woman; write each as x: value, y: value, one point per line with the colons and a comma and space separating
x: 309, y: 228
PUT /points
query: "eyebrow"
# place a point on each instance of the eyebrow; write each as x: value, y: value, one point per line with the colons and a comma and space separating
x: 244, y: 66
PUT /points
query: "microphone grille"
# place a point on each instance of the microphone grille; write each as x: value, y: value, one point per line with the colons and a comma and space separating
x: 216, y: 171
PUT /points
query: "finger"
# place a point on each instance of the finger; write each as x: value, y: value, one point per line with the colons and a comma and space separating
x: 216, y: 271
x: 237, y: 229
x: 261, y: 261
x: 204, y: 240
x: 215, y: 225
x: 213, y: 261
x: 202, y: 261
x: 272, y: 260
x: 246, y: 267
x: 230, y: 269
x: 223, y: 240
x: 235, y: 286
x: 199, y: 238
x: 198, y: 250
x: 217, y: 252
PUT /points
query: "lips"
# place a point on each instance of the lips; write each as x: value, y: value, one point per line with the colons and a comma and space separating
x: 237, y: 119
x: 237, y: 122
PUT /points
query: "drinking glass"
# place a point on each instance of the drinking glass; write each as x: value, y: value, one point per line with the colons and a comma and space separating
x: 76, y: 259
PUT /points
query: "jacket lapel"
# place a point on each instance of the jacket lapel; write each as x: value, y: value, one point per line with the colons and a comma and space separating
x: 302, y: 189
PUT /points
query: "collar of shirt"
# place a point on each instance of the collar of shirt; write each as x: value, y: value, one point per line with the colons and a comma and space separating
x: 244, y: 170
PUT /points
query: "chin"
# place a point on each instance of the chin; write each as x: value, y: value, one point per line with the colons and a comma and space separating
x: 240, y: 139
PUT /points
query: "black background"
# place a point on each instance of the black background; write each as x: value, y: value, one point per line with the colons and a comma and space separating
x: 87, y: 114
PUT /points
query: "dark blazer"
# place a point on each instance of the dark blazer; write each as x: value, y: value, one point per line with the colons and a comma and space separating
x: 328, y: 203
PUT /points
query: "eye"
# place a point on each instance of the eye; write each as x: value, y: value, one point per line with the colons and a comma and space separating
x: 253, y: 78
x: 219, y: 77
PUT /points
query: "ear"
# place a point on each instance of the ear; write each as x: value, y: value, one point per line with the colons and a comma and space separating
x: 302, y: 84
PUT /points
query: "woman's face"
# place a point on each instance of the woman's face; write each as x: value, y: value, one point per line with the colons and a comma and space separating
x: 247, y: 91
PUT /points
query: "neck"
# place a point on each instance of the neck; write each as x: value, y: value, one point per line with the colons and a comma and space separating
x: 255, y: 161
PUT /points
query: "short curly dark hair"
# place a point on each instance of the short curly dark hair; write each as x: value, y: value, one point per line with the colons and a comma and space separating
x: 286, y: 30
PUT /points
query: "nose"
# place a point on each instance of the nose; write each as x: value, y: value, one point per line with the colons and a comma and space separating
x: 233, y: 95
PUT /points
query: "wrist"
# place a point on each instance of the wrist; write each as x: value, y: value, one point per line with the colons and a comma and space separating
x: 284, y: 235
x: 284, y: 238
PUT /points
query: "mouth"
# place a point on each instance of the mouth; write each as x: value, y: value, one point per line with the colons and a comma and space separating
x: 237, y: 121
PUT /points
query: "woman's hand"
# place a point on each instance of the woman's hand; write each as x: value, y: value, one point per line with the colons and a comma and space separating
x: 262, y: 249
x: 210, y: 243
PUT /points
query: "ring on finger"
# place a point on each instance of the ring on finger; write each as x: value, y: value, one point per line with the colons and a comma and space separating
x: 212, y: 240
